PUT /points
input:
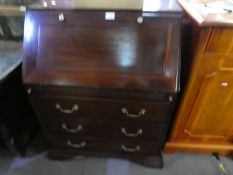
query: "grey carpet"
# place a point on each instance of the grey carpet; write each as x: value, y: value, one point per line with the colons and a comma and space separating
x: 177, y: 164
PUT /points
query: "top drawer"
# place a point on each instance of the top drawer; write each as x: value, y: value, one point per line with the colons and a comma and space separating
x: 101, y: 109
x: 86, y: 50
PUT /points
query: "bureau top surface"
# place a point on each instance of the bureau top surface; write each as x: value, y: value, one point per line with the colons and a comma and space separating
x: 142, y: 5
x: 209, y: 12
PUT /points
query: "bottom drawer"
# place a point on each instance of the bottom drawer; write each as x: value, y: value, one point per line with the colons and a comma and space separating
x: 123, y: 146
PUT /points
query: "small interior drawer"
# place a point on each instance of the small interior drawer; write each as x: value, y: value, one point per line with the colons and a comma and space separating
x: 99, y: 109
x: 135, y: 130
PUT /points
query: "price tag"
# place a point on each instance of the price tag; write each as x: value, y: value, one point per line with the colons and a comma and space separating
x: 110, y: 16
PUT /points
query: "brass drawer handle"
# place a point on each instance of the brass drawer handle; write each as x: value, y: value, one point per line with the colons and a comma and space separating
x: 67, y: 111
x: 136, y: 149
x: 125, y: 111
x: 81, y: 145
x: 74, y: 131
x: 139, y: 132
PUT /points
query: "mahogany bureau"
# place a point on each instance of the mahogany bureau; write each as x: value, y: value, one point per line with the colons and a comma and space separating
x: 103, y: 77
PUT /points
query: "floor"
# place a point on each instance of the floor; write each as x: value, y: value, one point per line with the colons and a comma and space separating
x: 177, y: 164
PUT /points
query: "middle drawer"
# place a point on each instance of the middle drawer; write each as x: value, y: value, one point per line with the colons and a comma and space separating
x: 102, y: 129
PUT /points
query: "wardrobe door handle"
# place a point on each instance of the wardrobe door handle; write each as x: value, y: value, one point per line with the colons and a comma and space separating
x: 139, y: 132
x: 125, y: 111
x: 74, y: 131
x: 136, y: 149
x: 81, y: 145
x: 67, y: 111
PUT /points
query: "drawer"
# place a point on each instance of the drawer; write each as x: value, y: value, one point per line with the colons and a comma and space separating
x: 85, y: 144
x: 135, y: 130
x: 99, y: 109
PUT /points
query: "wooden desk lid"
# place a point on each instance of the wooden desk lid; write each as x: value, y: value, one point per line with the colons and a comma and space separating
x: 209, y: 12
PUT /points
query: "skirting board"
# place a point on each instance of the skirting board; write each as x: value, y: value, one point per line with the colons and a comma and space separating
x: 223, y: 149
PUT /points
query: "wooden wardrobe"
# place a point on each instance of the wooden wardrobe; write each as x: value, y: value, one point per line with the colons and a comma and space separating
x: 204, y: 120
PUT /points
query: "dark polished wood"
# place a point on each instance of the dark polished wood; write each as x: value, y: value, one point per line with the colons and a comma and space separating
x: 103, y: 54
x: 121, y: 146
x: 103, y: 87
x: 104, y: 129
x: 118, y: 94
x: 108, y: 109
